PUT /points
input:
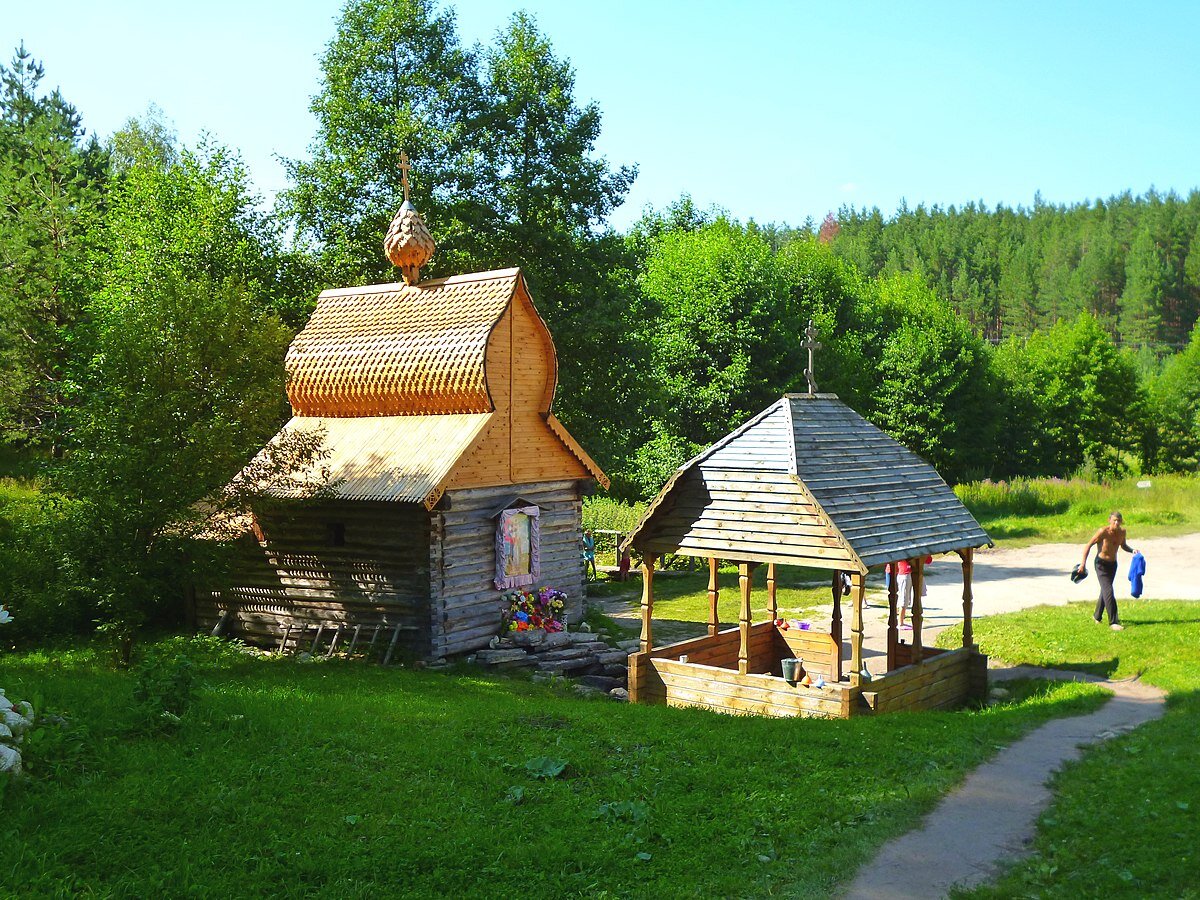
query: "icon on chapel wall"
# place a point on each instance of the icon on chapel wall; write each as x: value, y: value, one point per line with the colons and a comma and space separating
x: 518, y: 533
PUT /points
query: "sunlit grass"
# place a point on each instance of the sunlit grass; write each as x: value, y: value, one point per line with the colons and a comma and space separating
x: 1027, y: 511
x: 1124, y: 821
x: 681, y: 597
x: 347, y: 779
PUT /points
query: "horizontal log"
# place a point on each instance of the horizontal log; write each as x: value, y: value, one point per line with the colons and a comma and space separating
x: 741, y: 695
x: 733, y: 547
x: 702, y: 531
x: 462, y: 499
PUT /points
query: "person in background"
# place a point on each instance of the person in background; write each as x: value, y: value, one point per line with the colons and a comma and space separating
x: 589, y: 553
x: 1108, y: 540
x: 623, y: 567
x: 902, y: 572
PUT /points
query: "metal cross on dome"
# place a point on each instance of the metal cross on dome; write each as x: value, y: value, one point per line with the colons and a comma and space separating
x: 810, y: 343
x: 404, y: 167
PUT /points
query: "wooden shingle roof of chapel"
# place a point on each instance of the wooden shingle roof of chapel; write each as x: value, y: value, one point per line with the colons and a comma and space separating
x: 405, y: 381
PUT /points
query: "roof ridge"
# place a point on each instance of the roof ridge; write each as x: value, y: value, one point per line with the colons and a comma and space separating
x: 395, y: 286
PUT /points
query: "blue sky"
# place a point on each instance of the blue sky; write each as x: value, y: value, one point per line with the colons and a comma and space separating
x: 773, y: 111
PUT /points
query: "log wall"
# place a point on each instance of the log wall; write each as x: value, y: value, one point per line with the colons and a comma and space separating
x: 902, y: 655
x: 817, y: 649
x: 297, y: 576
x: 944, y: 681
x: 463, y: 559
x: 710, y: 679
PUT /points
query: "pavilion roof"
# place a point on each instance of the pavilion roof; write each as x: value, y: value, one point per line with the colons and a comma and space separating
x: 808, y: 481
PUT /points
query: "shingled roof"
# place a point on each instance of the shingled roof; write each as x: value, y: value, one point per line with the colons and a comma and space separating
x: 808, y: 481
x: 403, y: 459
x: 408, y: 383
x: 399, y: 349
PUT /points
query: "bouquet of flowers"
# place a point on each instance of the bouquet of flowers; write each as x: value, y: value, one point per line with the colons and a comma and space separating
x: 527, y: 610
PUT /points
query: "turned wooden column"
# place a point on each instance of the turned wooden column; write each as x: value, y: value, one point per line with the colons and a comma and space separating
x: 893, y: 633
x: 772, y: 604
x: 858, y: 590
x: 745, y: 577
x: 647, y: 640
x: 968, y: 568
x: 835, y: 624
x: 714, y: 594
x: 918, y: 587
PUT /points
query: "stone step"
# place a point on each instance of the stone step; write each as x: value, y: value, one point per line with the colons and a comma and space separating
x: 603, y: 682
x: 569, y: 653
x: 492, y: 657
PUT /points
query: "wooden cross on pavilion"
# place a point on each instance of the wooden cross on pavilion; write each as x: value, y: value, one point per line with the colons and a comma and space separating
x: 810, y: 343
x: 404, y: 167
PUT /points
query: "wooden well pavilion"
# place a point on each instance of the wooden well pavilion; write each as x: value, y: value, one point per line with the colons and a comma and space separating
x: 451, y: 479
x: 806, y: 482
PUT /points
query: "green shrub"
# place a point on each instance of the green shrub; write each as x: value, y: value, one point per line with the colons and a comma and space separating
x: 35, y: 574
x: 164, y: 686
x: 56, y: 747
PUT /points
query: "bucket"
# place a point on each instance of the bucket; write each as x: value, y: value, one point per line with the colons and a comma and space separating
x: 789, y: 669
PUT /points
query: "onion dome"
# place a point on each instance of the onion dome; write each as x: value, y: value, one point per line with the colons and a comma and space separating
x: 408, y: 244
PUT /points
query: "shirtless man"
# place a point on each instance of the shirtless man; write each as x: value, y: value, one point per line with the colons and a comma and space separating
x: 1108, y: 539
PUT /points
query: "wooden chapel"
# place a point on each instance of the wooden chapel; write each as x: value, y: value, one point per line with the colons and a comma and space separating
x: 450, y: 479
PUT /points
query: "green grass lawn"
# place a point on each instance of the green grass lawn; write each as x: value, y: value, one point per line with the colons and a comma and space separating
x: 1126, y: 818
x: 348, y: 780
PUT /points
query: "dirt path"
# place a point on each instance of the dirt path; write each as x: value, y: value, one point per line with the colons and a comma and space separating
x: 1009, y: 580
x: 991, y: 818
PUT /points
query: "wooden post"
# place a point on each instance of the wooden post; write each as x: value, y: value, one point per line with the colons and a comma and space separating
x: 772, y: 603
x: 968, y: 567
x: 647, y: 602
x: 858, y: 589
x: 893, y: 633
x: 745, y: 574
x: 387, y: 659
x: 714, y: 595
x: 835, y: 623
x: 918, y: 586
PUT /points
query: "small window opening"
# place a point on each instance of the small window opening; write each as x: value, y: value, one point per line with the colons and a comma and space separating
x: 336, y: 536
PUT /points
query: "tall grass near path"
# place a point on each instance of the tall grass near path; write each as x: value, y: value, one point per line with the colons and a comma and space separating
x: 1028, y: 510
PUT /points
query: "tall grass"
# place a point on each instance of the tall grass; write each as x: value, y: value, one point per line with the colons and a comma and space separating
x: 606, y: 514
x: 1027, y: 510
